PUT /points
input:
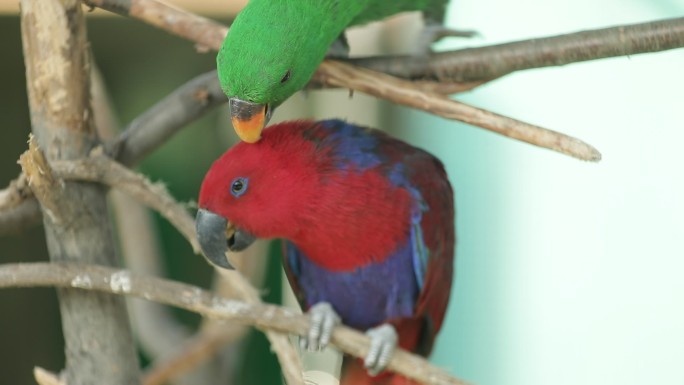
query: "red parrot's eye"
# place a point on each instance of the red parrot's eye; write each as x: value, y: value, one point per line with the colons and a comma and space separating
x: 286, y: 77
x: 239, y: 186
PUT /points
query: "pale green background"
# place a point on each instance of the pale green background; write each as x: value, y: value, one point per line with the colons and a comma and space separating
x: 568, y: 272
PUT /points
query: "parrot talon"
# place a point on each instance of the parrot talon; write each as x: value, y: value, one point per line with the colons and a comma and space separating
x: 384, y: 341
x: 323, y: 321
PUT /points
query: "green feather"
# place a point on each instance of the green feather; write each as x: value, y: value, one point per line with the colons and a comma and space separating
x: 272, y: 38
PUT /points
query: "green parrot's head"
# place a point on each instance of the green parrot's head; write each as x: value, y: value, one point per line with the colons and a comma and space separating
x: 268, y: 55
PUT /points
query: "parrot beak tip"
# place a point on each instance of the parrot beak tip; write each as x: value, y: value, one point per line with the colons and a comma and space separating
x: 249, y: 118
x: 211, y: 234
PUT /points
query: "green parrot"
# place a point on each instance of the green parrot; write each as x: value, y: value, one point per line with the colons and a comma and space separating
x: 275, y: 46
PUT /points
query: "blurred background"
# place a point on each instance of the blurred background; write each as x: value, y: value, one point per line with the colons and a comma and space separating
x: 567, y: 272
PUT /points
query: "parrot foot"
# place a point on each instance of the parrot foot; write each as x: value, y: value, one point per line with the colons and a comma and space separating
x: 433, y: 33
x: 323, y: 321
x: 384, y: 341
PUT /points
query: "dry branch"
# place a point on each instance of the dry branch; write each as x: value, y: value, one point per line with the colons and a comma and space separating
x: 75, y: 215
x: 18, y: 208
x: 484, y: 63
x: 97, y: 167
x: 376, y: 83
x: 327, y: 75
x: 179, y: 22
x: 194, y: 351
x: 168, y: 116
x: 191, y: 298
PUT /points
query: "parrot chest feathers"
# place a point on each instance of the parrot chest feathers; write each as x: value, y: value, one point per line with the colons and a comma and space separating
x: 363, y: 297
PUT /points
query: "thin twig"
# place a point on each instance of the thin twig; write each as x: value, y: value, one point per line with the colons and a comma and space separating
x: 21, y: 217
x: 156, y: 125
x: 18, y: 208
x: 214, y: 334
x: 194, y: 351
x: 97, y: 167
x: 328, y: 74
x: 198, y: 29
x: 15, y: 193
x: 484, y: 63
x: 380, y: 84
x: 191, y: 298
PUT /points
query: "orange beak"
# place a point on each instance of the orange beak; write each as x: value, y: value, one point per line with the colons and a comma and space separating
x: 248, y: 118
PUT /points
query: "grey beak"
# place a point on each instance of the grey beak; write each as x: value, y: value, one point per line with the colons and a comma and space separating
x: 244, y: 110
x: 211, y: 234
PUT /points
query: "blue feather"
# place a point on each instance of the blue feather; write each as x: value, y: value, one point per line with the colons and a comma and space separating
x: 364, y: 297
x: 354, y: 148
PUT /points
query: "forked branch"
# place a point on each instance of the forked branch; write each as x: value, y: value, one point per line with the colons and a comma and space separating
x: 192, y: 298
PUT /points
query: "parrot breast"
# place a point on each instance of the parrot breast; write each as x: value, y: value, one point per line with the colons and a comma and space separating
x: 364, y: 297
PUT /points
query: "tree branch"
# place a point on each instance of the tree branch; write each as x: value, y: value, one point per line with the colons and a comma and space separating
x: 198, y: 29
x: 328, y: 74
x: 191, y: 298
x: 380, y: 84
x: 167, y: 117
x: 485, y: 63
x: 75, y: 215
x: 99, y: 168
x: 193, y: 351
x: 18, y: 208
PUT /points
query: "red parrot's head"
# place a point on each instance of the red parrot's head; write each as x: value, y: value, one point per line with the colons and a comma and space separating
x: 256, y: 190
x: 325, y: 186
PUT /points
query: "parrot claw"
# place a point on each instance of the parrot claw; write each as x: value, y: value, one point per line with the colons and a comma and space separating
x: 384, y: 341
x: 323, y: 321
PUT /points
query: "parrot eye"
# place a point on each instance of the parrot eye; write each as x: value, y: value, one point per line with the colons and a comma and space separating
x: 239, y: 186
x: 286, y: 77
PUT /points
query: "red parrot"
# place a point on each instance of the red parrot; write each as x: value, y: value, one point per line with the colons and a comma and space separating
x: 368, y: 228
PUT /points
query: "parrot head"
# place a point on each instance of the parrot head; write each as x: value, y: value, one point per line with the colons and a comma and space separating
x: 263, y: 61
x: 241, y: 199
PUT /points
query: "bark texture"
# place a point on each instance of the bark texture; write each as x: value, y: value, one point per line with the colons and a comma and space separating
x: 99, y: 345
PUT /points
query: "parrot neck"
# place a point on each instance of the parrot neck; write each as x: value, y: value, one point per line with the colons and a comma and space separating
x: 342, y: 231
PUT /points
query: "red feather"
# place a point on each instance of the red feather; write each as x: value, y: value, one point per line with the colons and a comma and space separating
x: 344, y: 216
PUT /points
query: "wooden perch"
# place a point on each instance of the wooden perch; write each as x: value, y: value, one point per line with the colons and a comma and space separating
x: 75, y: 215
x: 354, y: 78
x: 191, y: 298
x: 491, y: 62
x: 380, y: 84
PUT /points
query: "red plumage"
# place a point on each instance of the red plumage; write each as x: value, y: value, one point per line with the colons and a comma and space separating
x: 347, y: 198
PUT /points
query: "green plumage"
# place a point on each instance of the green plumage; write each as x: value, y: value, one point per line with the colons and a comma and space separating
x: 274, y: 46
